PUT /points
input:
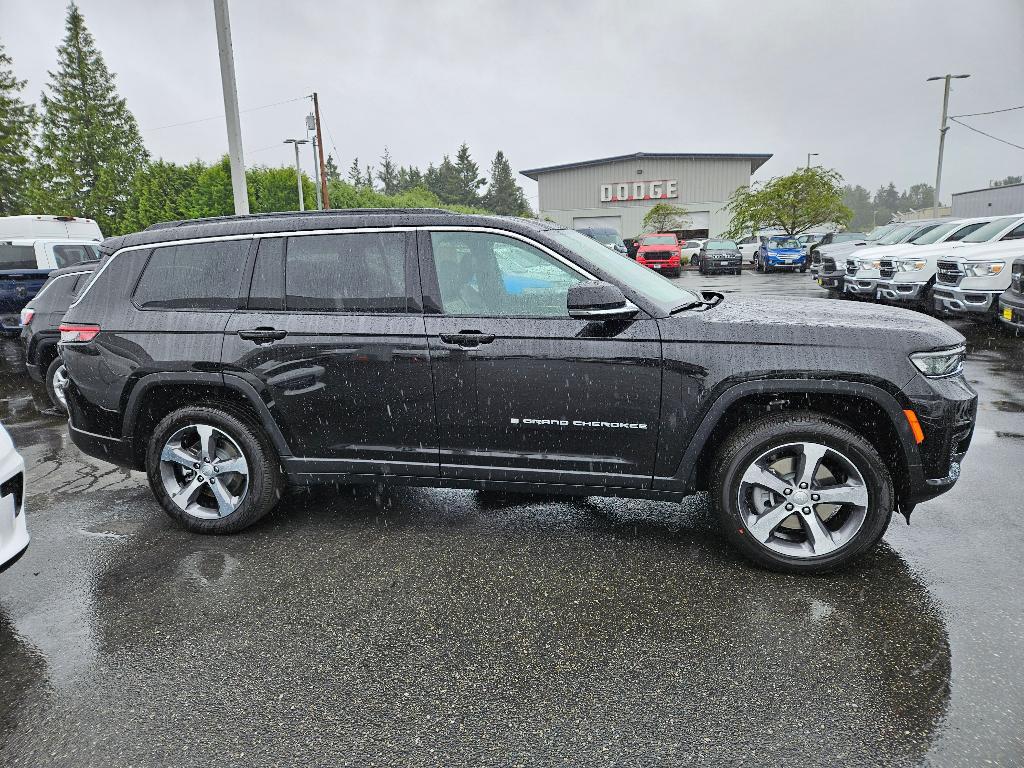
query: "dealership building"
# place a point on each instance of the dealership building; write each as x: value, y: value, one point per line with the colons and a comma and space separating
x: 618, y: 191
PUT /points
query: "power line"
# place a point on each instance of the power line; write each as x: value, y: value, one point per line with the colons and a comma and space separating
x: 218, y: 117
x: 992, y: 112
x: 996, y: 138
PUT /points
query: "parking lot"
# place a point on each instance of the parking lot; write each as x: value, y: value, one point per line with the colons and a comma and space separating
x: 422, y: 627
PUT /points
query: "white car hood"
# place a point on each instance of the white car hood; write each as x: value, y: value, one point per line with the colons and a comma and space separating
x: 1002, y: 249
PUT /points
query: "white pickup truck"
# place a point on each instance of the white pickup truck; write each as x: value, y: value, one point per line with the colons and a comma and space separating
x: 972, y: 281
x: 909, y: 277
x: 863, y: 265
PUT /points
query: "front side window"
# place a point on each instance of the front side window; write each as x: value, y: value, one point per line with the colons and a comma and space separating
x: 357, y: 272
x: 193, y: 276
x: 67, y: 255
x: 490, y: 275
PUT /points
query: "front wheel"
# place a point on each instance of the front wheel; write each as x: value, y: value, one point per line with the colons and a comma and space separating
x: 212, y: 470
x: 800, y: 493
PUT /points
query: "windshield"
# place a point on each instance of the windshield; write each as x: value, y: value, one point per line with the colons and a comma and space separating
x: 721, y: 245
x: 605, y: 236
x: 879, y: 232
x: 783, y: 242
x: 658, y: 289
x: 898, y: 234
x: 990, y: 230
x: 659, y: 240
x: 845, y: 237
x: 933, y: 236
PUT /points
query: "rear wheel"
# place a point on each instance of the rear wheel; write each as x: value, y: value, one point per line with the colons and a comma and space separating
x: 56, y: 383
x: 800, y: 493
x: 212, y: 470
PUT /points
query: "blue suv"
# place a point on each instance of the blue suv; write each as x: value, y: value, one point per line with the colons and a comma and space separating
x: 780, y: 253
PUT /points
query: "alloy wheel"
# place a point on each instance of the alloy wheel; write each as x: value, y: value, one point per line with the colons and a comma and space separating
x: 803, y: 499
x: 60, y: 385
x: 204, y: 471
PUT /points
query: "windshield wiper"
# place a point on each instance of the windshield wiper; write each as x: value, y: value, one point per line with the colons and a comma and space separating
x: 707, y: 300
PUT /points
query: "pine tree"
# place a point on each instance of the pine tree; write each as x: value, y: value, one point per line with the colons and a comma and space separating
x: 355, y: 175
x: 388, y: 175
x: 503, y: 195
x: 17, y: 122
x: 368, y: 178
x: 469, y: 180
x: 331, y: 169
x: 446, y: 182
x: 90, y: 147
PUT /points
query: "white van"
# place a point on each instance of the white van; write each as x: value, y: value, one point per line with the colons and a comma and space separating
x: 35, y: 226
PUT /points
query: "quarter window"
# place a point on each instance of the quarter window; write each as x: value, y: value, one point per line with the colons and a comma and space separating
x: 358, y: 272
x: 483, y: 274
x: 196, y: 276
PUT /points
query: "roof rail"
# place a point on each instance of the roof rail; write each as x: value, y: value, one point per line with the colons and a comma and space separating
x: 291, y: 214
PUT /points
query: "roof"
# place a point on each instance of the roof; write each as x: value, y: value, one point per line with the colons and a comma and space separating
x: 988, y: 189
x: 756, y: 160
x: 291, y: 221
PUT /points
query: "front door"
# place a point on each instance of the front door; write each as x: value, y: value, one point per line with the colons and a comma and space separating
x: 333, y: 337
x: 523, y: 391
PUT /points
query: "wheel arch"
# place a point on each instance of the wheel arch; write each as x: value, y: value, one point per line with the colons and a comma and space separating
x: 158, y: 394
x: 867, y: 409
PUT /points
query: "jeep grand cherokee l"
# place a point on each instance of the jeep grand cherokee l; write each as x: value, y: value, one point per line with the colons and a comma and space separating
x: 228, y: 357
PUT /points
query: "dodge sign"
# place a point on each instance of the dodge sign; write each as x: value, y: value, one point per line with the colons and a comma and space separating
x: 639, y: 190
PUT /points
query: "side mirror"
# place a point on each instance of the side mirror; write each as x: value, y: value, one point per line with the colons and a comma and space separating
x: 598, y: 300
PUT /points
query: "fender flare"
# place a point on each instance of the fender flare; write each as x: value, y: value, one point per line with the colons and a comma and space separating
x: 889, y: 404
x: 215, y: 380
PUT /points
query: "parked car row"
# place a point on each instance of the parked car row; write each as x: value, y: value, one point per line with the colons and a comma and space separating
x: 953, y: 266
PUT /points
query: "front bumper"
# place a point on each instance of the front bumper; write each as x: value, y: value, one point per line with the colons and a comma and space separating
x: 832, y: 281
x: 14, y: 536
x: 722, y: 266
x: 958, y: 300
x: 891, y: 290
x: 775, y: 262
x: 1011, y: 310
x: 861, y: 286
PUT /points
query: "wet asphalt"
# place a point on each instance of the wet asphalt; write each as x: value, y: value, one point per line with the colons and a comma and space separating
x: 437, y: 627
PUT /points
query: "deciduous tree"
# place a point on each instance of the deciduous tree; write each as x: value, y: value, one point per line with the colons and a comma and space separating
x: 665, y: 217
x: 806, y: 198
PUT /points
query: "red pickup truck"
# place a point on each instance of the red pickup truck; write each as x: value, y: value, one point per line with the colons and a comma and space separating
x: 661, y: 252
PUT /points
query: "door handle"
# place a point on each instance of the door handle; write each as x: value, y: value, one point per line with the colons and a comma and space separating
x: 467, y: 338
x: 262, y: 335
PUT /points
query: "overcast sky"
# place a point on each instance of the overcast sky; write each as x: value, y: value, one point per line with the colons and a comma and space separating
x: 557, y: 82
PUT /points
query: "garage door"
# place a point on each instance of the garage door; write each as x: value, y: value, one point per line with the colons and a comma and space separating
x: 698, y: 220
x: 610, y: 222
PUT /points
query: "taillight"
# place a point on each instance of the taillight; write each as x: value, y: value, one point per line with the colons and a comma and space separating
x: 26, y: 316
x: 70, y: 332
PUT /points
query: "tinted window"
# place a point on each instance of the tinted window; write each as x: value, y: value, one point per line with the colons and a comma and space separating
x: 1016, y: 233
x: 267, y: 288
x: 197, y: 276
x: 17, y: 257
x: 57, y: 290
x: 360, y: 272
x: 492, y: 275
x: 66, y: 255
x: 963, y: 232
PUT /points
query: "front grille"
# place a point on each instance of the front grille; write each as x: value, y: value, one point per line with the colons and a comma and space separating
x: 828, y: 265
x: 851, y: 268
x: 887, y: 268
x: 16, y: 486
x: 816, y: 258
x: 657, y: 255
x: 1017, y: 280
x: 949, y: 273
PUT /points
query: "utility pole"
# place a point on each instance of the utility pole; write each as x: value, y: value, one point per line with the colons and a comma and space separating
x: 298, y: 169
x: 942, y: 136
x: 809, y: 156
x: 311, y: 126
x: 227, y: 79
x: 320, y: 152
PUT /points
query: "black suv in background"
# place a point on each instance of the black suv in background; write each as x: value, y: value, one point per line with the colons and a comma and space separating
x: 228, y: 357
x: 40, y: 320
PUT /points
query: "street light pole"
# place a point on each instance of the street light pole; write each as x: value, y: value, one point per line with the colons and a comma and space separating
x: 227, y: 79
x: 809, y: 156
x: 298, y: 169
x: 942, y: 136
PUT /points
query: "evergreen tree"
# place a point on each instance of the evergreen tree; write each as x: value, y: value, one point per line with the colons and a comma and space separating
x: 388, y: 174
x: 355, y: 176
x: 17, y: 122
x: 469, y: 180
x: 161, y: 191
x: 331, y: 169
x: 445, y: 182
x: 368, y: 178
x: 504, y: 197
x: 90, y: 147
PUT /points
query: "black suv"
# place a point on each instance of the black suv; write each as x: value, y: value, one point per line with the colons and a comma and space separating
x: 228, y: 357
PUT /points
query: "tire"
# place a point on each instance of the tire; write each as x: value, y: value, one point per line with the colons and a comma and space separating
x: 236, y: 436
x: 56, y: 379
x: 803, y: 269
x: 789, y: 547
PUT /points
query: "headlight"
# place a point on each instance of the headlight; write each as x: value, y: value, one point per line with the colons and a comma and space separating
x: 983, y: 268
x: 870, y: 263
x: 910, y: 265
x: 942, y: 362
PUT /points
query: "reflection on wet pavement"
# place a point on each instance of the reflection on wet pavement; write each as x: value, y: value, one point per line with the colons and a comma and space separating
x: 408, y: 627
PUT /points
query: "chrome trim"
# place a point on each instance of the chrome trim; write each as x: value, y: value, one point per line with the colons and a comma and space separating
x: 629, y: 306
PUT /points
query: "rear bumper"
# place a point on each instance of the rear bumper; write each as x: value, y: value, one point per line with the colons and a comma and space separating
x: 891, y: 290
x: 949, y: 299
x: 111, y: 449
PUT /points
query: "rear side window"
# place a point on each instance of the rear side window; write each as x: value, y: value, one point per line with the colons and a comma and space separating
x: 67, y: 255
x: 58, y: 290
x: 358, y: 272
x: 195, y: 276
x: 17, y: 256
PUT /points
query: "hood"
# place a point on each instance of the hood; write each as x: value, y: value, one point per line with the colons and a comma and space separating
x: 1001, y: 249
x: 818, y: 323
x: 840, y: 250
x: 887, y: 251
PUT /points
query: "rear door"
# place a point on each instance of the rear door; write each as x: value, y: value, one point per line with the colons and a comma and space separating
x: 524, y: 392
x: 333, y: 338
